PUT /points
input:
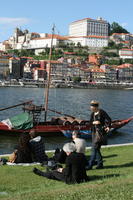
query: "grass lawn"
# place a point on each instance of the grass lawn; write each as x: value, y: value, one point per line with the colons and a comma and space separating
x: 114, y: 182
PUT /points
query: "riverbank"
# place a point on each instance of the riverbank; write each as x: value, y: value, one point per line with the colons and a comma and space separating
x: 113, y: 182
x: 87, y: 148
x: 81, y: 85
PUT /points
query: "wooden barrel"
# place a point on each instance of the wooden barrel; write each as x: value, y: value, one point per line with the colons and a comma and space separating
x: 64, y: 121
x: 72, y: 120
x: 54, y: 120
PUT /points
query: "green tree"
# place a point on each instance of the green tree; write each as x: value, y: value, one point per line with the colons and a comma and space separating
x: 79, y: 45
x: 14, y: 52
x: 76, y: 79
x: 111, y: 44
x: 116, y: 28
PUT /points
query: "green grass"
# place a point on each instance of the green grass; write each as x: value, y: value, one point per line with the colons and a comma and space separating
x: 114, y: 182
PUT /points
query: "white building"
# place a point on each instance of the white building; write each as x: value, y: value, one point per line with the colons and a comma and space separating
x: 87, y: 32
x: 90, y: 32
x: 121, y: 37
x: 92, y: 41
x: 25, y: 40
x: 87, y: 26
x: 126, y: 53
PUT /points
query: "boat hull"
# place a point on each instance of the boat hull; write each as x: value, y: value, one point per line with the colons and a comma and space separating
x: 57, y: 130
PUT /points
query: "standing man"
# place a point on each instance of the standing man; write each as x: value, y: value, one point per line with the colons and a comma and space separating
x: 100, y: 125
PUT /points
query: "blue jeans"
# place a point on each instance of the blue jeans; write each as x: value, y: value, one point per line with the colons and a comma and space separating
x: 96, y: 155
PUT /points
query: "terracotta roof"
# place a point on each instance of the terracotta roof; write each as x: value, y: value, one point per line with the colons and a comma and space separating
x: 126, y: 54
x: 101, y: 20
x: 97, y: 69
x: 126, y: 42
x: 126, y: 65
x: 35, y: 33
x: 49, y: 36
x: 37, y: 68
x: 82, y: 20
x: 120, y: 34
x: 14, y: 58
x: 69, y: 53
x: 126, y: 49
x: 27, y: 57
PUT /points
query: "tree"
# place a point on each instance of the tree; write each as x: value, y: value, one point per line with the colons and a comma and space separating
x: 14, y: 52
x: 76, y: 79
x: 79, y: 45
x: 111, y: 44
x: 116, y: 28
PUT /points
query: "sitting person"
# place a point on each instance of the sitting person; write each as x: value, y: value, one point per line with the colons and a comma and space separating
x: 60, y: 155
x: 37, y: 147
x: 22, y: 153
x: 79, y: 142
x: 74, y: 171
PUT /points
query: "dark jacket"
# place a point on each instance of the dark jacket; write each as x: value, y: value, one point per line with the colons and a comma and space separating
x: 38, y: 149
x: 74, y: 171
x: 105, y: 120
x: 102, y: 116
x: 23, y: 155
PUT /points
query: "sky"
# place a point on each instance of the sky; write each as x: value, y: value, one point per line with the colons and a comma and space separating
x: 40, y: 15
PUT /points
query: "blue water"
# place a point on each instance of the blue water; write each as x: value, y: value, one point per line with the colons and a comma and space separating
x: 75, y: 102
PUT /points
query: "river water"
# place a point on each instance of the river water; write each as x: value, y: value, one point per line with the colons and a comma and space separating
x: 75, y: 102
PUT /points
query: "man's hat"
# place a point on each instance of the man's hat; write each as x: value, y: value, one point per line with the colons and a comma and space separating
x: 94, y: 103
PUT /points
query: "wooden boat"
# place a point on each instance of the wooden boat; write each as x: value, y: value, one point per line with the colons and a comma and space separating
x: 29, y: 120
x: 58, y: 125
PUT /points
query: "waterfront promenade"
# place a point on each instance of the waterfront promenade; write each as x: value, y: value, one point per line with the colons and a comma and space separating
x: 81, y: 85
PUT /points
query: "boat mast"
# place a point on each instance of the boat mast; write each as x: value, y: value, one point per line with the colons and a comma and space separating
x: 49, y: 76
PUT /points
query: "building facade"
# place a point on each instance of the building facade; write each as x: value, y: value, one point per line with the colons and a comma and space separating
x: 126, y: 53
x: 87, y: 26
x: 91, y: 41
x: 119, y: 37
x: 4, y: 67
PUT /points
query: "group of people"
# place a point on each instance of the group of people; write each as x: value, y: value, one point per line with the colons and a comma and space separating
x: 73, y: 154
x: 31, y: 149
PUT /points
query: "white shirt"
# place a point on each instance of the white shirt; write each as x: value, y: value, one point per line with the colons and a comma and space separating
x: 80, y: 145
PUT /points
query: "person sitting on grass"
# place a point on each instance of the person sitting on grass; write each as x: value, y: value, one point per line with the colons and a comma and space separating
x: 22, y: 153
x: 60, y: 155
x: 79, y: 142
x: 74, y: 171
x: 37, y: 147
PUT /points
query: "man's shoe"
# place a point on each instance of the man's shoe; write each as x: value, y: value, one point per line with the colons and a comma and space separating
x: 36, y: 171
x: 99, y: 167
x: 95, y: 162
